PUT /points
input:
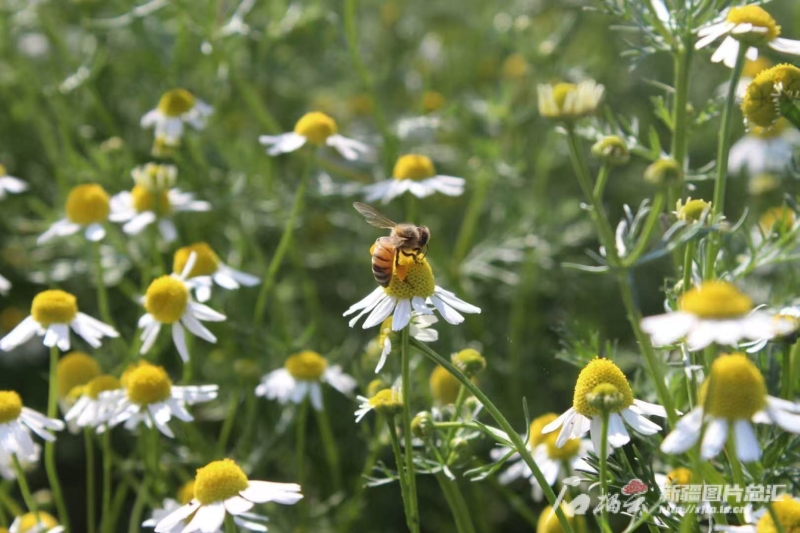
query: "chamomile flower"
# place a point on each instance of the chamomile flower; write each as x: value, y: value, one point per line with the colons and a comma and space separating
x: 8, y: 468
x: 786, y: 509
x: 87, y: 208
x: 749, y: 26
x: 731, y: 399
x: 764, y: 149
x: 603, y: 379
x: 387, y: 402
x: 185, y: 496
x: 569, y: 101
x: 148, y: 397
x: 169, y: 301
x: 73, y: 371
x: 318, y: 129
x: 89, y: 410
x: 444, y: 386
x: 411, y: 287
x: 301, y: 377
x: 35, y: 523
x: 790, y: 324
x: 53, y: 313
x: 769, y: 91
x: 16, y: 424
x: 144, y: 205
x: 714, y: 312
x: 221, y: 488
x: 10, y: 184
x: 176, y: 108
x: 418, y: 329
x: 208, y: 265
x: 414, y: 174
x: 551, y: 459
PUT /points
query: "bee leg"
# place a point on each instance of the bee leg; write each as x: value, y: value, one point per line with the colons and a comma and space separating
x: 420, y: 254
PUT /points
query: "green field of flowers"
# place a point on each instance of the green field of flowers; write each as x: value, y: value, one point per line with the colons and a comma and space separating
x: 388, y: 266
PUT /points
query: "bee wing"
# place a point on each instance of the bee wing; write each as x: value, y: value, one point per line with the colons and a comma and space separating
x: 372, y: 216
x: 395, y: 241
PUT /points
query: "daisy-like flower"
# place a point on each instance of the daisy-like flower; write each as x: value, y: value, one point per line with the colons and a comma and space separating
x: 548, y: 520
x: 73, y: 371
x: 764, y: 149
x: 148, y: 397
x: 318, y: 129
x: 749, y: 26
x: 16, y: 424
x: 10, y: 184
x: 8, y: 468
x: 414, y: 174
x: 412, y: 286
x: 89, y: 410
x: 714, y: 312
x: 87, y: 208
x: 550, y: 458
x: 692, y: 210
x: 387, y: 402
x: 149, y: 203
x: 786, y: 509
x: 569, y: 101
x: 418, y: 329
x: 602, y: 378
x: 53, y: 313
x: 731, y: 399
x: 184, y: 497
x: 175, y: 108
x: 301, y: 377
x: 33, y: 523
x: 209, y: 266
x: 221, y: 488
x: 444, y: 386
x: 770, y: 90
x: 169, y: 301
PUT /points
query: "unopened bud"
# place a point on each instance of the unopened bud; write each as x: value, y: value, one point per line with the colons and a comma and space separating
x: 422, y: 425
x: 663, y: 172
x: 612, y: 150
x: 469, y: 361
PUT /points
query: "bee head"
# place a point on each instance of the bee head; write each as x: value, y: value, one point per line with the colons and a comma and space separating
x: 424, y: 235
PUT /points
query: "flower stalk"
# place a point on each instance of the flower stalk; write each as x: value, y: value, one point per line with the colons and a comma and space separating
x: 50, y: 447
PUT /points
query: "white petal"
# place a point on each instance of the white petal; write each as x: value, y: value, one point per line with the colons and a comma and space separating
x: 209, y: 518
x: 24, y: 331
x: 402, y: 315
x: 177, y: 517
x: 179, y: 338
x: 685, y: 433
x: 747, y: 446
x: 265, y: 491
x: 714, y: 438
x: 95, y: 232
x: 237, y: 505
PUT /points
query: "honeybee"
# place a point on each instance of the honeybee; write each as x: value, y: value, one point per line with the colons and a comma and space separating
x: 406, y: 239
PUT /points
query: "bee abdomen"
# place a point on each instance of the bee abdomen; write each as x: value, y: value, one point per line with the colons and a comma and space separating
x: 382, y: 264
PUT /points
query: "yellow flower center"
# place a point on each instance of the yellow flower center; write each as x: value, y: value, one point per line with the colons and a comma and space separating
x: 10, y: 406
x: 54, y: 307
x: 715, y: 300
x: 444, y: 386
x: 548, y: 521
x: 387, y: 401
x: 73, y: 370
x: 788, y: 512
x: 206, y: 261
x: 101, y: 384
x: 515, y: 67
x: 166, y: 299
x: 413, y: 167
x: 375, y: 386
x: 776, y: 130
x: 735, y: 389
x: 28, y: 522
x: 561, y: 91
x: 432, y: 101
x: 777, y: 220
x: 306, y: 365
x: 176, y: 102
x: 692, y: 210
x: 754, y: 68
x: 155, y: 177
x: 568, y: 451
x: 759, y: 18
x: 219, y: 481
x: 148, y: 384
x: 680, y: 476
x: 316, y: 127
x: 146, y: 200
x: 598, y: 372
x: 760, y: 104
x: 3, y: 171
x: 186, y: 492
x: 418, y: 279
x: 87, y: 204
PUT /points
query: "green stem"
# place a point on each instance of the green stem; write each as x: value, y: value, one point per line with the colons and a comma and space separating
x: 775, y: 519
x: 24, y: 488
x: 455, y: 500
x: 107, y: 466
x: 405, y: 355
x: 786, y: 373
x: 50, y: 447
x: 688, y: 266
x: 91, y: 494
x: 230, y: 525
x: 602, y: 180
x: 603, y: 455
x: 505, y: 426
x: 102, y: 291
x: 680, y: 117
x: 135, y: 521
x: 723, y: 149
x: 462, y: 395
x: 398, y: 459
x: 647, y: 231
x: 791, y: 112
x: 227, y: 425
x: 736, y: 465
x: 651, y: 360
x: 300, y: 456
x: 283, y: 244
x: 331, y: 451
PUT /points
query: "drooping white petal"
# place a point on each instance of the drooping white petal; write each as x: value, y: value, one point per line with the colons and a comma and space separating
x: 747, y: 447
x: 714, y: 438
